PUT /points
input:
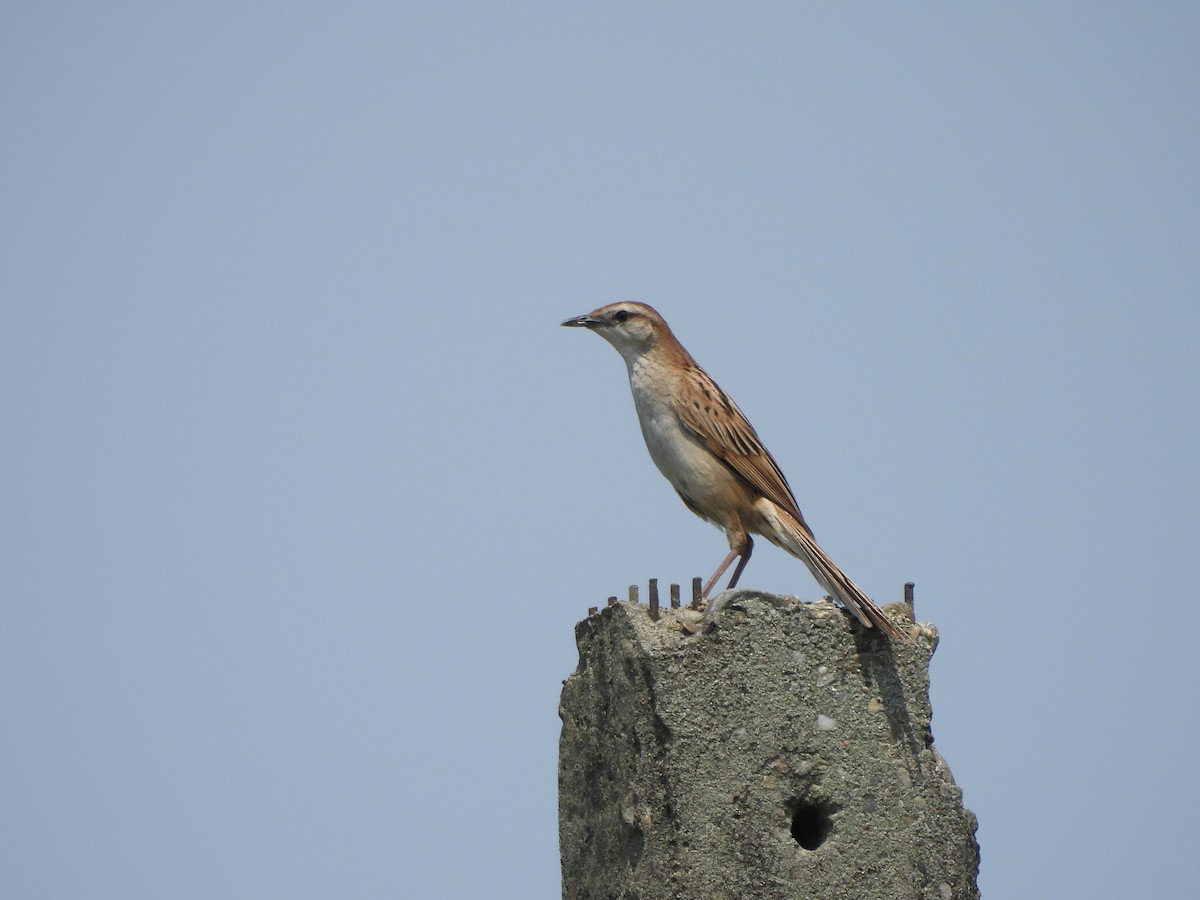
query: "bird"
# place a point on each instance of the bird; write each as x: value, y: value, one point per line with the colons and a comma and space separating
x: 710, y: 453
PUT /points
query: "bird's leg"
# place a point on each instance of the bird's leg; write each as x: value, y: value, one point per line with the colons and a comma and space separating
x: 737, y: 572
x: 739, y: 546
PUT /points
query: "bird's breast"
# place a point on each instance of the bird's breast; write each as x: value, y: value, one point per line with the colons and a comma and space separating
x: 706, y: 484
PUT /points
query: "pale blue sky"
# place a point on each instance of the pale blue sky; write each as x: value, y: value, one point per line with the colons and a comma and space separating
x: 304, y: 487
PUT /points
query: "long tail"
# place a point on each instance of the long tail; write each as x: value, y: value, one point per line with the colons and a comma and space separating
x: 798, y: 541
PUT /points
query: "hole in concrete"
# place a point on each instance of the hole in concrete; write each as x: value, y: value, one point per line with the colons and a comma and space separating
x: 811, y: 824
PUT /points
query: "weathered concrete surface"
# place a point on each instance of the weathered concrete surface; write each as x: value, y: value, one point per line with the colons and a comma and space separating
x: 783, y: 754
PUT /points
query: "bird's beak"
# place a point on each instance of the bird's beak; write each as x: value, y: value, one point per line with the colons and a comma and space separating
x: 582, y: 322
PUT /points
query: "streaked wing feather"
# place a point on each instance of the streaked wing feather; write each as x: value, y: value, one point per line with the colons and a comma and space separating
x: 710, y: 414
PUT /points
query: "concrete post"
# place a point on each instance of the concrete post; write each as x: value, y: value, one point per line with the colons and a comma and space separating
x: 770, y: 751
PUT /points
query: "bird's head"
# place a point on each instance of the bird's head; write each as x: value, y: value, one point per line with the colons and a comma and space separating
x: 633, y: 328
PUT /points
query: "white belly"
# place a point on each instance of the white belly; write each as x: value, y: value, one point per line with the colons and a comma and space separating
x: 699, y: 477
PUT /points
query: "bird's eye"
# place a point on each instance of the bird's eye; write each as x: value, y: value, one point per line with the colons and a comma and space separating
x: 620, y: 315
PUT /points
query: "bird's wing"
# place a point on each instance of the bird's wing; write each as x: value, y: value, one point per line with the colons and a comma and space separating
x: 709, y: 413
